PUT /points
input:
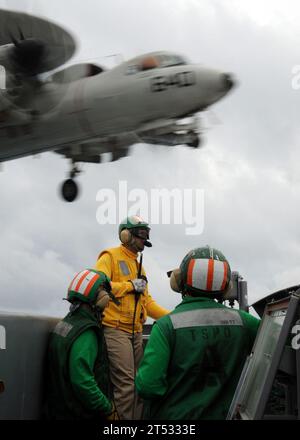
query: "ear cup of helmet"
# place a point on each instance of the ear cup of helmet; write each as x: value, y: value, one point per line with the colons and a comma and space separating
x: 227, y: 291
x: 102, y: 300
x: 176, y: 281
x: 125, y: 236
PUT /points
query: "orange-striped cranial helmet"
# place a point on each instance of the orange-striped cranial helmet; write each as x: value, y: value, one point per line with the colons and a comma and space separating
x: 85, y: 286
x: 205, y: 271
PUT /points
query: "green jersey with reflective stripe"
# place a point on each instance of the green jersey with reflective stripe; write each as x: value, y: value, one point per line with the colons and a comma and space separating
x: 193, y: 360
x: 78, y: 385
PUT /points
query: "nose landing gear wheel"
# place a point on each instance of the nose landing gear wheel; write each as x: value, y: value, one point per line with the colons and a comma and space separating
x: 69, y: 190
x: 195, y: 140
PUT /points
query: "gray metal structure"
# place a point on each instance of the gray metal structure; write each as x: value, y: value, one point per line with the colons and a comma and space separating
x: 269, y: 384
x: 238, y: 292
x: 23, y: 345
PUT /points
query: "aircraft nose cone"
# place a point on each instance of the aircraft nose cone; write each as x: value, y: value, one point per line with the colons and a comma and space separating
x: 228, y: 81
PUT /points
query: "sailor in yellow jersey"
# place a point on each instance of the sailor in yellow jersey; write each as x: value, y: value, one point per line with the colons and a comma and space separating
x: 123, y: 323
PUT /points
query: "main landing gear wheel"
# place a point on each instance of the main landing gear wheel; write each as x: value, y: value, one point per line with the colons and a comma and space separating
x: 69, y: 190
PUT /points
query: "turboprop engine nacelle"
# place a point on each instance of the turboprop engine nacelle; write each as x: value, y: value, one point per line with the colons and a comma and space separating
x: 5, y: 56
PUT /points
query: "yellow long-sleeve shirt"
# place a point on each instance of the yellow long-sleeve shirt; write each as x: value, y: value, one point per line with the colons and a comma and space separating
x: 121, y: 266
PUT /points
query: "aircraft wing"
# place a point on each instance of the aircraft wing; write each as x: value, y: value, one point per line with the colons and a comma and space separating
x: 86, y: 156
x: 80, y: 155
x: 90, y: 152
x: 165, y: 132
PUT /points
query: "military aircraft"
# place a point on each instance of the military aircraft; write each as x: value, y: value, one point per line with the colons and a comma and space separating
x: 84, y: 110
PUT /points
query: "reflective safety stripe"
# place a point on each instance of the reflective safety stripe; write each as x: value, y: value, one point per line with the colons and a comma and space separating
x: 91, y: 285
x: 220, y: 272
x: 225, y: 275
x: 78, y: 285
x: 2, y: 338
x: 124, y: 268
x: 199, y: 274
x: 205, y: 317
x: 77, y: 278
x: 88, y: 283
x: 63, y: 329
x: 84, y: 282
x: 205, y: 274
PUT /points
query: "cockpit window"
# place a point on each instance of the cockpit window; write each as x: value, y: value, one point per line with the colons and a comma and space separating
x: 132, y: 69
x: 149, y: 63
x: 154, y: 62
x: 171, y: 60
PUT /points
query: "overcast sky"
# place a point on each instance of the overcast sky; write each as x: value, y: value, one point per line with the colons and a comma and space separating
x: 248, y: 167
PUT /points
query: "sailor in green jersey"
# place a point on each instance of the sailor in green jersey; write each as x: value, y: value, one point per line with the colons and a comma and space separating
x: 195, y: 355
x: 77, y: 379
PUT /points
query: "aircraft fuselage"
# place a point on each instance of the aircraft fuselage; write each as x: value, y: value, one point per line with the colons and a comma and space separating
x: 106, y: 105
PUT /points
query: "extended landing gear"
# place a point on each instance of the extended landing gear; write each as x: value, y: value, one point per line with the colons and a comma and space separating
x: 195, y: 141
x: 69, y: 188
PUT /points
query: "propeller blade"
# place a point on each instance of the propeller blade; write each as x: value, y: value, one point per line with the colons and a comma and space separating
x: 39, y: 45
x: 21, y: 34
x: 13, y: 39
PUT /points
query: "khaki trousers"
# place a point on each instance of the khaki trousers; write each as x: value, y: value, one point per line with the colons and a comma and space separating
x: 123, y: 363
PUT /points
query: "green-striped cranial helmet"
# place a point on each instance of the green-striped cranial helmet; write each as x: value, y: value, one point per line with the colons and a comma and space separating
x: 205, y: 271
x: 134, y: 226
x: 133, y: 222
x: 85, y: 286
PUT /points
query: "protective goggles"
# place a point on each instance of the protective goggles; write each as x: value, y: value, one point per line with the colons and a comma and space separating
x: 141, y: 233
